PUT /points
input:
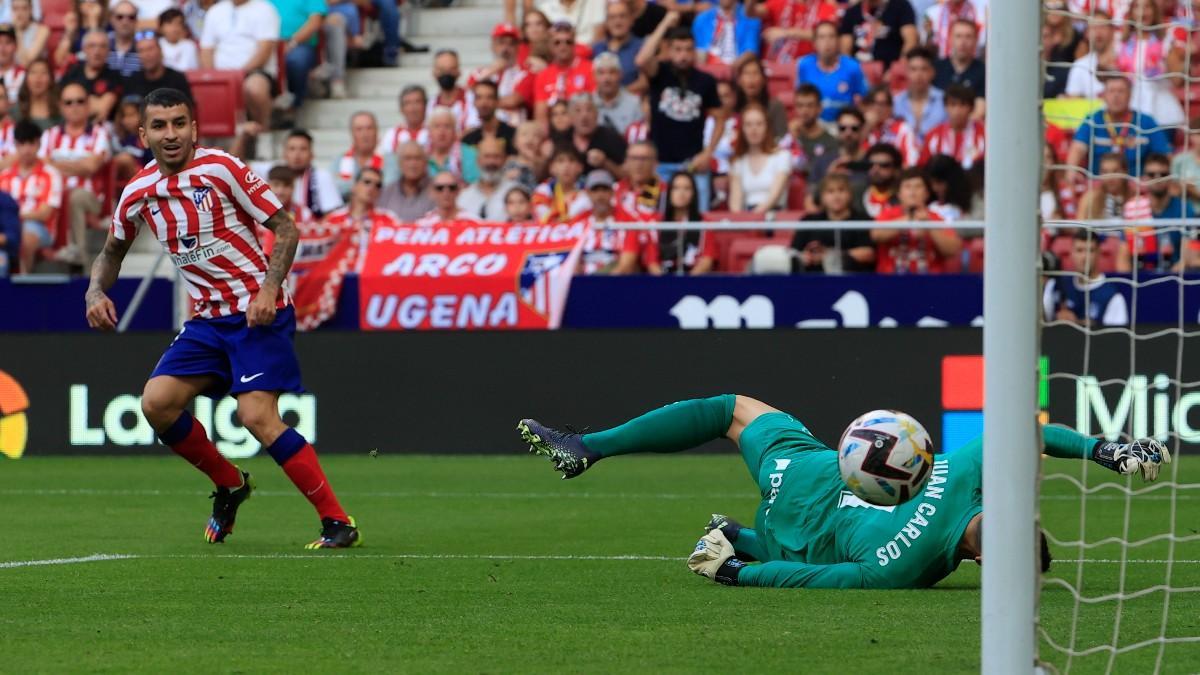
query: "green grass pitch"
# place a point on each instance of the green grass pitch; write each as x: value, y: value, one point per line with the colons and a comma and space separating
x: 491, y: 564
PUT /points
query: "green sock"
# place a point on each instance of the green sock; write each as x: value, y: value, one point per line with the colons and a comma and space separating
x: 1067, y: 443
x: 673, y: 428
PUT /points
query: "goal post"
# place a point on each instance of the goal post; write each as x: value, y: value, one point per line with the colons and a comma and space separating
x: 1010, y: 337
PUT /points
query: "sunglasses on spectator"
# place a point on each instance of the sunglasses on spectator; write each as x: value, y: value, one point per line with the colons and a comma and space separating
x: 124, y: 17
x: 445, y: 188
x: 145, y: 35
x: 849, y: 127
x: 74, y: 101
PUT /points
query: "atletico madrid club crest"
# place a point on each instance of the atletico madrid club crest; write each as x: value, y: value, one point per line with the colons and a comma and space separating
x: 202, y: 198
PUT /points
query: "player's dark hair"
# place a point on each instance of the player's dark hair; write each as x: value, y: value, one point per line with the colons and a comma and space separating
x: 27, y: 132
x: 853, y: 112
x: 960, y: 94
x: 680, y: 33
x: 886, y: 149
x: 808, y: 89
x: 168, y: 16
x: 300, y: 133
x: 165, y: 97
x: 920, y: 52
x: 281, y: 174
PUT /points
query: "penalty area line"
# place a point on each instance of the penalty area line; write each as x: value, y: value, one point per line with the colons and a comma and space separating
x: 95, y: 557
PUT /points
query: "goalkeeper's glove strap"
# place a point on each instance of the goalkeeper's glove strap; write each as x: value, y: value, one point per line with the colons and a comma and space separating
x: 1107, y: 455
x: 728, y: 572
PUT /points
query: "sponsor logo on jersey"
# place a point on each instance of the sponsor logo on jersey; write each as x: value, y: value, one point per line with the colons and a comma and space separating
x: 195, y: 255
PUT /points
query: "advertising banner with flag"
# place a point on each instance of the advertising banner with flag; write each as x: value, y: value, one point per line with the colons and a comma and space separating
x: 467, y: 275
x: 325, y: 255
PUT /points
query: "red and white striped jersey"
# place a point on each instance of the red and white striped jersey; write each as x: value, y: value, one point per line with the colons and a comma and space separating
x: 462, y: 104
x: 299, y: 212
x: 898, y: 133
x: 14, y: 77
x: 642, y: 202
x: 434, y: 218
x: 205, y: 217
x: 602, y: 247
x: 551, y: 204
x: 8, y: 144
x: 59, y: 145
x: 637, y: 132
x: 511, y: 80
x: 401, y: 134
x: 42, y: 186
x: 967, y: 146
x: 347, y: 165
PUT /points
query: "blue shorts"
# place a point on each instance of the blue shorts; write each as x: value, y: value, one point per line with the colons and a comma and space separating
x: 243, y: 359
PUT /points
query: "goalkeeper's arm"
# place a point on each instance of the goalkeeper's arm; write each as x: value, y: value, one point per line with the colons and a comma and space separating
x: 1144, y: 455
x: 714, y: 558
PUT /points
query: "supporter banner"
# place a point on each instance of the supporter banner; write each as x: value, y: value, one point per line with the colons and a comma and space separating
x: 467, y: 276
x: 323, y: 258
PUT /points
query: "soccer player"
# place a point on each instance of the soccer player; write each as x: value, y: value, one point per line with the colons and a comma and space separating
x: 810, y: 530
x: 203, y: 205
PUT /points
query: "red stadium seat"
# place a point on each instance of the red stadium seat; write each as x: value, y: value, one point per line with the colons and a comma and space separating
x: 1061, y: 248
x: 975, y: 255
x: 873, y: 71
x: 219, y: 98
x: 720, y: 71
x: 897, y: 76
x: 796, y: 192
x: 54, y: 13
x: 741, y: 252
x: 1110, y: 249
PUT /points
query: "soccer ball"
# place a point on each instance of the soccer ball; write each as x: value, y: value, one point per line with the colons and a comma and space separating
x: 885, y: 457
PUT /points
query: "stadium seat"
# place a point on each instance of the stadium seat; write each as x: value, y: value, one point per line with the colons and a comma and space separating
x: 975, y: 255
x: 796, y: 192
x: 1110, y: 248
x: 221, y: 93
x: 781, y: 78
x: 1060, y: 246
x: 720, y: 71
x: 897, y: 76
x: 54, y: 13
x: 873, y: 71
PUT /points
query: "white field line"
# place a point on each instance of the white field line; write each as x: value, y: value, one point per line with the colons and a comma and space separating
x: 99, y: 557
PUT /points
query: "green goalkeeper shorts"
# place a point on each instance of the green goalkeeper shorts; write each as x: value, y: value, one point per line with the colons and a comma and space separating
x: 771, y: 437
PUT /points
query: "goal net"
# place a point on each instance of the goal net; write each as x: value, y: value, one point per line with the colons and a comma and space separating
x: 1119, y: 323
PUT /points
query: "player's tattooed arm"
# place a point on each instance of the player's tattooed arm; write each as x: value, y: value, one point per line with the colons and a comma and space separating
x: 101, y: 313
x: 287, y: 238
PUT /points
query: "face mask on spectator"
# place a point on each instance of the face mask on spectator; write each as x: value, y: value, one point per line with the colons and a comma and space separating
x: 447, y: 81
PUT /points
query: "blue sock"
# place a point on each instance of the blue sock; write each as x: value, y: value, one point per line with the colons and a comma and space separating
x: 286, y: 446
x: 178, y: 430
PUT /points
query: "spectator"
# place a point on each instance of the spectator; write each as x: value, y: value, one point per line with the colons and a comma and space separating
x: 1117, y: 128
x: 791, y: 25
x: 456, y: 99
x: 884, y: 127
x: 807, y: 138
x: 1061, y: 46
x: 38, y: 98
x: 485, y: 197
x: 913, y: 251
x: 850, y: 150
x: 517, y: 206
x: 1088, y: 301
x: 750, y: 79
x: 314, y: 186
x: 1105, y: 200
x: 561, y: 198
x: 722, y: 154
x: 101, y: 82
x: 340, y: 28
x: 835, y: 250
x: 618, y: 108
x: 942, y: 18
x: 838, y: 77
x: 490, y: 125
x: 952, y: 196
x: 241, y: 35
x: 1150, y: 58
x: 1186, y: 165
x: 680, y: 252
x: 1155, y: 250
x: 514, y: 84
x: 1083, y: 79
x: 604, y: 249
x: 533, y: 52
x: 12, y: 74
x: 363, y: 154
x: 78, y: 150
x: 587, y: 16
x: 179, y: 51
x: 646, y: 16
x: 921, y: 104
x: 962, y: 67
x: 282, y: 182
x: 527, y: 166
x: 122, y: 51
x: 566, y: 75
x: 878, y: 30
x: 601, y: 147
x: 154, y: 73
x: 362, y: 213
x: 446, y: 153
x: 445, y: 188
x: 620, y: 41
x: 883, y: 179
x: 31, y: 35
x: 37, y: 189
x: 299, y: 23
x: 408, y: 197
x: 8, y: 147
x: 129, y: 153
x: 725, y: 33
x: 641, y: 191
x: 412, y: 130
x: 194, y: 12
x: 759, y: 172
x: 6, y: 10
x: 959, y: 136
x: 87, y: 15
x: 1057, y: 199
x: 148, y: 11
x: 560, y: 123
x: 681, y: 97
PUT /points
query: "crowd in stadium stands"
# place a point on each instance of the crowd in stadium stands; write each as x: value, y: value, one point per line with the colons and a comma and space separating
x: 623, y: 110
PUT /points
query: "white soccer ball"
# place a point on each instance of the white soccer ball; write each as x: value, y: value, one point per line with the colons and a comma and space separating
x: 885, y: 457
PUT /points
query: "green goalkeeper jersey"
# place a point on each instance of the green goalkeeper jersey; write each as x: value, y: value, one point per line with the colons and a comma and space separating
x: 811, y: 531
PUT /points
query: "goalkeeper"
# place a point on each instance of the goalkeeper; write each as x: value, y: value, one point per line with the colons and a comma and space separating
x: 810, y: 530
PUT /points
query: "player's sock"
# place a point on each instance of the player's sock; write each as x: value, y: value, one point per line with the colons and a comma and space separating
x: 299, y: 462
x: 673, y: 428
x: 187, y: 437
x: 1066, y: 443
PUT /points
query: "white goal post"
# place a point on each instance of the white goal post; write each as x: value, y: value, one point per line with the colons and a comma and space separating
x: 1010, y: 337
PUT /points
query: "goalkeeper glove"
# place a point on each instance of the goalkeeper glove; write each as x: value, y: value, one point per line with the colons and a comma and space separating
x: 713, y: 558
x: 1145, y: 455
x: 728, y: 526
